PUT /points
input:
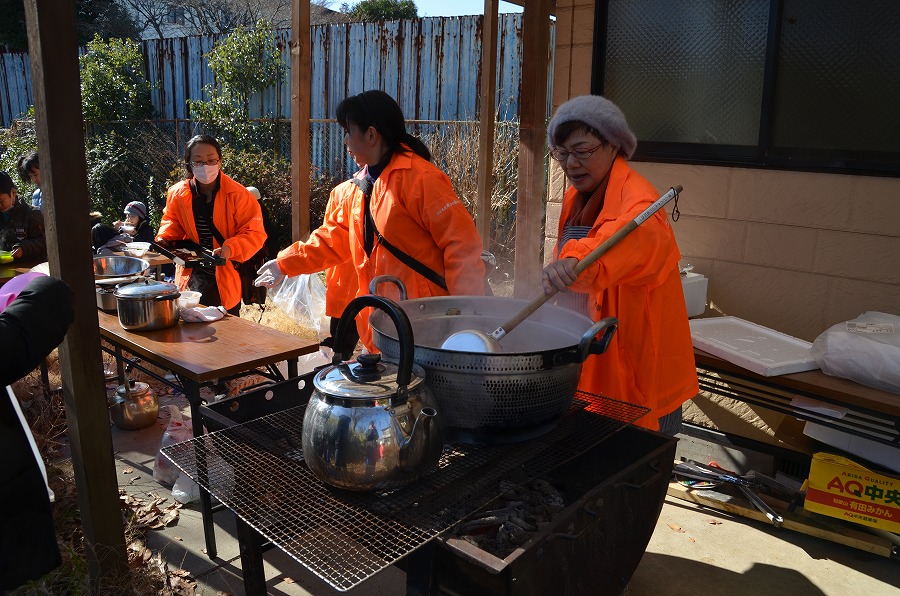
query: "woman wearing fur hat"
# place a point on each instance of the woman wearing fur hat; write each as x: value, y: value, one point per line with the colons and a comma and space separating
x: 650, y: 361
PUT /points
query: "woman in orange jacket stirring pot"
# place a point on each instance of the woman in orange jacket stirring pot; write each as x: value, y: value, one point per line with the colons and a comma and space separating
x: 410, y: 224
x: 650, y: 361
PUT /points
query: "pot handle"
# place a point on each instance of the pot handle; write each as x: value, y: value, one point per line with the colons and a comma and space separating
x: 589, y: 345
x: 379, y: 279
x: 401, y: 322
x: 174, y: 296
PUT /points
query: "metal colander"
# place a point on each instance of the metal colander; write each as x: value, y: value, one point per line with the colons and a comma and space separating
x: 514, y: 395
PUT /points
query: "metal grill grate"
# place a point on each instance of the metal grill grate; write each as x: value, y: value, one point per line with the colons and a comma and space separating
x: 256, y: 469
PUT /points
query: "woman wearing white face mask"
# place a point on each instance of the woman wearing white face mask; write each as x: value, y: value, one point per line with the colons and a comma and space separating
x: 218, y: 213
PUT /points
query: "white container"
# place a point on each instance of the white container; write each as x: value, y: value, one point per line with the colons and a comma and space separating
x: 759, y: 349
x: 694, y: 285
x: 189, y: 299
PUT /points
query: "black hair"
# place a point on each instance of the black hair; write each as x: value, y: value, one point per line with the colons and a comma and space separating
x: 26, y: 163
x: 565, y: 129
x: 196, y: 140
x: 378, y: 109
x: 6, y: 183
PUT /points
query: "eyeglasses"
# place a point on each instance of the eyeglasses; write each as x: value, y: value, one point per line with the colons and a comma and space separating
x: 208, y: 162
x: 561, y: 155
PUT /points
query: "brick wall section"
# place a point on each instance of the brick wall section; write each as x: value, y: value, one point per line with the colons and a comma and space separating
x: 794, y: 251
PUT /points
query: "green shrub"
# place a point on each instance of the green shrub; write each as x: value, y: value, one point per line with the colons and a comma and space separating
x: 113, y: 85
x: 246, y: 62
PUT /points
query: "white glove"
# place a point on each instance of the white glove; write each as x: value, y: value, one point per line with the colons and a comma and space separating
x: 270, y: 274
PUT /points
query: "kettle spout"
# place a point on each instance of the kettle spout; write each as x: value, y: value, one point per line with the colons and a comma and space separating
x: 420, y: 444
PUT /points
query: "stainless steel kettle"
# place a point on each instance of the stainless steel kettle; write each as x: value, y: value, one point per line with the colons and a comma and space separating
x: 372, y: 425
x: 134, y: 406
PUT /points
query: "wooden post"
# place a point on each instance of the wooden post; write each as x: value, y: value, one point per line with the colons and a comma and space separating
x: 60, y: 134
x: 532, y: 145
x: 300, y: 110
x: 486, y: 122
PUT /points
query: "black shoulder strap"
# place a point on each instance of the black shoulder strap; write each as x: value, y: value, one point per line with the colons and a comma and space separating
x: 206, y: 211
x: 370, y: 232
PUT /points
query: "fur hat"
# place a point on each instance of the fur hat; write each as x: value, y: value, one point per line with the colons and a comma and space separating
x: 600, y: 114
x: 136, y: 208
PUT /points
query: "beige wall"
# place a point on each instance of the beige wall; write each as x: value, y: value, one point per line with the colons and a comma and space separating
x: 793, y: 251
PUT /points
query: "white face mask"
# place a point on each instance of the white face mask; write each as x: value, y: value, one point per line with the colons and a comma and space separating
x: 205, y: 174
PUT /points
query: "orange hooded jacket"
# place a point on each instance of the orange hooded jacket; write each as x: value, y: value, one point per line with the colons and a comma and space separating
x: 415, y: 208
x: 341, y: 284
x: 237, y: 216
x: 650, y: 361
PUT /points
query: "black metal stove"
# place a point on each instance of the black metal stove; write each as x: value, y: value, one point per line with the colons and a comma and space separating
x: 256, y: 469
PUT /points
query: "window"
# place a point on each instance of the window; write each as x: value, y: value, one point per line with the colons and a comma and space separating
x: 795, y: 84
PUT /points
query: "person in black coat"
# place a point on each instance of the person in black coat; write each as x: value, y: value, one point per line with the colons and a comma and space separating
x: 33, y: 324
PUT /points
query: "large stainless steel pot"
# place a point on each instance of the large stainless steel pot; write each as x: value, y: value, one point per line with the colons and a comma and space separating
x: 371, y: 425
x: 147, y: 305
x: 517, y: 394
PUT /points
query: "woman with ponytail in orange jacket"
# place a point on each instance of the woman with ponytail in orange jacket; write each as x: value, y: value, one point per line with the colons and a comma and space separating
x: 399, y: 203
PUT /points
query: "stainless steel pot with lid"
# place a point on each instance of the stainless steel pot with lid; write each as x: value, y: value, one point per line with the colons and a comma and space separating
x: 370, y: 424
x: 514, y: 395
x: 147, y: 305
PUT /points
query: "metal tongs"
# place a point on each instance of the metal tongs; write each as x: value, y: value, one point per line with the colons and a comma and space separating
x: 696, y: 470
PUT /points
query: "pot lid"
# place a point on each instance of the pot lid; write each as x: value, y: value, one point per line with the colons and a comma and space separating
x: 134, y: 388
x: 367, y: 377
x: 147, y: 288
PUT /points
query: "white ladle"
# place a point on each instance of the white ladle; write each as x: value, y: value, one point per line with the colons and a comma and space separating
x: 473, y: 340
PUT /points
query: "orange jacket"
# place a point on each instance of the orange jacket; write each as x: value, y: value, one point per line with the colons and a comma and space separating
x: 415, y: 208
x: 650, y: 361
x: 237, y: 216
x: 341, y: 284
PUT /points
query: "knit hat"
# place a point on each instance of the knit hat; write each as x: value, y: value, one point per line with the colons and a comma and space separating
x: 136, y: 208
x: 600, y: 114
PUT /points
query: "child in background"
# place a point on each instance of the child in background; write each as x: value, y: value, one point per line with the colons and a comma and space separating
x: 136, y: 224
x: 134, y: 228
x: 29, y: 167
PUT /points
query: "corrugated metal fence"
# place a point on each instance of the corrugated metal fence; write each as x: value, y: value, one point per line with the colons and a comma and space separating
x: 431, y: 65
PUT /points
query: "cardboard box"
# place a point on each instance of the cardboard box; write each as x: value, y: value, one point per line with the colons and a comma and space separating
x: 839, y: 487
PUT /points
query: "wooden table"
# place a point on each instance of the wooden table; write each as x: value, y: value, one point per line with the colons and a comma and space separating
x: 871, y: 413
x: 202, y: 353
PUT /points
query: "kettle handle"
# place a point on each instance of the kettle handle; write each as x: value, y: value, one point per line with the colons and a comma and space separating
x: 401, y: 322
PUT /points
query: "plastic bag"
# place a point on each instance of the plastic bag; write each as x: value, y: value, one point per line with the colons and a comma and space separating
x: 178, y: 430
x: 865, y: 349
x: 185, y: 490
x: 302, y: 298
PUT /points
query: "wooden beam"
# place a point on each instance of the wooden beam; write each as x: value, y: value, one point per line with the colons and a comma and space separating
x: 486, y: 121
x: 53, y: 49
x: 532, y: 146
x: 300, y: 111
